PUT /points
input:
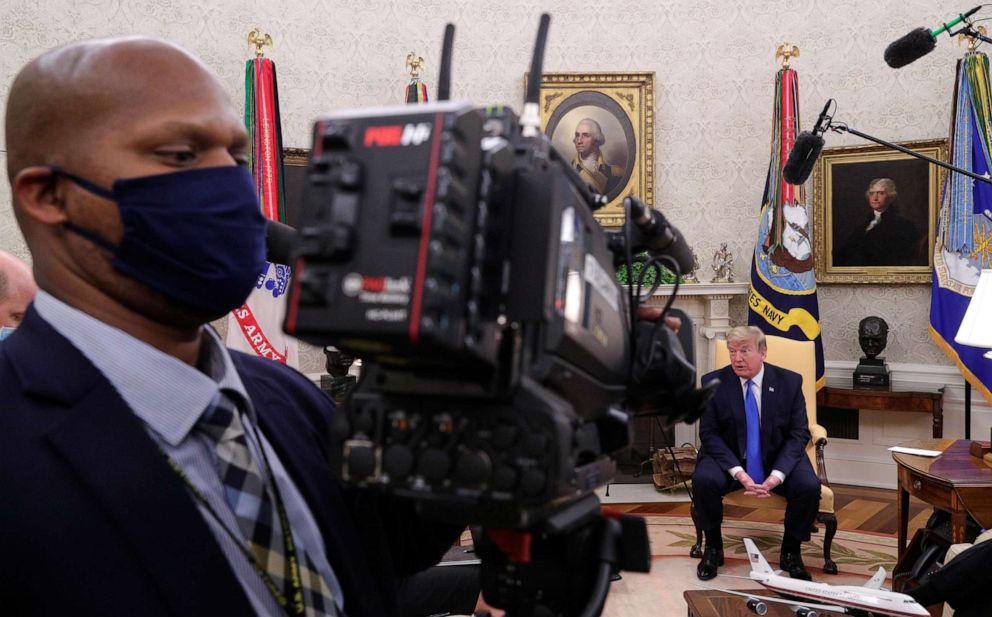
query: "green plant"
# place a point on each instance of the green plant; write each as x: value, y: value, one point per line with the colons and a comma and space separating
x: 648, y: 277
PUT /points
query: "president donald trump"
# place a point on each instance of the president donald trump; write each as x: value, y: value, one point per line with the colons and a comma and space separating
x: 754, y: 434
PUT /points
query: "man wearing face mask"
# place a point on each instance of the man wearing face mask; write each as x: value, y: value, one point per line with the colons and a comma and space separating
x: 17, y: 289
x: 145, y: 468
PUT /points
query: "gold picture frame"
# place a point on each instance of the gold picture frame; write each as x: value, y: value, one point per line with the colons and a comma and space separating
x: 899, y: 249
x: 297, y: 157
x: 622, y: 105
x: 294, y: 180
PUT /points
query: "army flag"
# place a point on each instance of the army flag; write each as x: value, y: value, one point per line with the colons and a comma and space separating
x: 256, y: 326
x: 782, y: 299
x: 963, y: 246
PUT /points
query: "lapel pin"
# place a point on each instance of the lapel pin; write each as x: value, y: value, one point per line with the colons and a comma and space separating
x: 771, y: 388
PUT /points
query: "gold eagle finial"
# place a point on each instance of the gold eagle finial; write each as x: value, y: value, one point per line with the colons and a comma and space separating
x: 259, y: 40
x: 414, y: 64
x: 786, y: 51
x: 972, y: 41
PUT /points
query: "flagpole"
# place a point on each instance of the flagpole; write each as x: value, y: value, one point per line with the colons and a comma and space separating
x: 255, y: 326
x: 782, y: 296
x: 964, y: 224
x: 967, y: 409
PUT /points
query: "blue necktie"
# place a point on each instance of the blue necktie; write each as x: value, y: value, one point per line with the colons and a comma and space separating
x: 755, y: 468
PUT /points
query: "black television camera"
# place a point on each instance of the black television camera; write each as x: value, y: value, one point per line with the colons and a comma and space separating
x: 455, y: 251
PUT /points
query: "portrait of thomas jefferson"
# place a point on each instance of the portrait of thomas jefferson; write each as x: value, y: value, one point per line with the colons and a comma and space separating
x: 881, y: 235
x: 880, y: 214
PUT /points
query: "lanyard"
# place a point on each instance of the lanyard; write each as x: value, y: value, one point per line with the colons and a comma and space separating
x: 294, y: 606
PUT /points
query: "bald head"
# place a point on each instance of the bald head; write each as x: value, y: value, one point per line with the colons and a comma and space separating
x: 17, y: 289
x: 64, y: 97
x: 106, y: 110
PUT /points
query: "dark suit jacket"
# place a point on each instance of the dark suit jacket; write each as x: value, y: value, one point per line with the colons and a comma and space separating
x: 784, y: 425
x: 892, y: 242
x: 93, y: 521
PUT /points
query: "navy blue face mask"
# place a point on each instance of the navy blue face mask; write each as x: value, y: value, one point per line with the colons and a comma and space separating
x: 197, y: 236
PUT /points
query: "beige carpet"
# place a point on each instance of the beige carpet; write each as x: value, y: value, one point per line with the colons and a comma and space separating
x: 659, y: 593
x: 855, y: 552
x: 673, y: 571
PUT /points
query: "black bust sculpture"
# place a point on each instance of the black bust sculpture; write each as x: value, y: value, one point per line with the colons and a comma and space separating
x: 873, y: 335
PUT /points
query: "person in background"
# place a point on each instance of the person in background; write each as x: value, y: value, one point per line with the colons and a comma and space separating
x: 17, y: 289
x: 963, y: 583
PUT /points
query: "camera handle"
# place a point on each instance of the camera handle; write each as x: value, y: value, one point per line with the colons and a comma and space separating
x: 562, y: 568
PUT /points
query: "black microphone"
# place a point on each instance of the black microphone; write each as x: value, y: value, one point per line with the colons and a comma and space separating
x: 909, y: 48
x: 806, y: 150
x: 530, y: 115
x: 919, y: 42
x: 659, y: 236
x: 444, y: 78
x: 281, y: 242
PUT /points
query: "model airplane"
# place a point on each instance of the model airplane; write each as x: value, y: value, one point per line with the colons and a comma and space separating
x: 871, y: 599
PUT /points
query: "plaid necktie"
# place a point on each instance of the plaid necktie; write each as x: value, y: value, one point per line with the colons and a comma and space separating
x: 252, y: 505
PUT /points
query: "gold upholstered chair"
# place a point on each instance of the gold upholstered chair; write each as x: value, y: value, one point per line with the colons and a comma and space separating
x: 798, y: 356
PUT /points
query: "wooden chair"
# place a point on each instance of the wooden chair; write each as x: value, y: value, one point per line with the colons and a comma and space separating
x: 798, y: 356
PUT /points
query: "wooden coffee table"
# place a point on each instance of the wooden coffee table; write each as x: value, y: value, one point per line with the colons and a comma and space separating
x: 711, y: 603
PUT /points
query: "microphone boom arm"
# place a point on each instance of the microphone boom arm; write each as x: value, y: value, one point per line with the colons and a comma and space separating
x: 841, y: 127
x: 970, y: 31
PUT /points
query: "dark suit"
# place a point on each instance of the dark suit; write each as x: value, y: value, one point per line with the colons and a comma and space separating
x: 93, y: 521
x: 784, y: 435
x: 963, y: 583
x: 892, y: 242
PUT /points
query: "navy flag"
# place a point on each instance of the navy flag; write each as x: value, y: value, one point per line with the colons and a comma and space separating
x: 782, y: 299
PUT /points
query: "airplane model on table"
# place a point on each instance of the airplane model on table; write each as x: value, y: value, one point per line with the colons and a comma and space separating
x: 809, y: 599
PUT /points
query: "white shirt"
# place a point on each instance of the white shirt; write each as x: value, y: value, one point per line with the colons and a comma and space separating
x: 590, y: 162
x: 756, y: 382
x: 878, y: 217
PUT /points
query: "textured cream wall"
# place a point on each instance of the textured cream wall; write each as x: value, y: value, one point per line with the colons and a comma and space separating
x: 714, y: 70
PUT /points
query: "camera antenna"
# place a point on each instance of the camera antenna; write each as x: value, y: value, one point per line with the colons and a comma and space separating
x: 444, y: 78
x: 530, y: 117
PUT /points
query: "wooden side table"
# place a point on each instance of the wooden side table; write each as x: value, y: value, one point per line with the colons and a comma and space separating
x: 955, y: 481
x: 887, y: 400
